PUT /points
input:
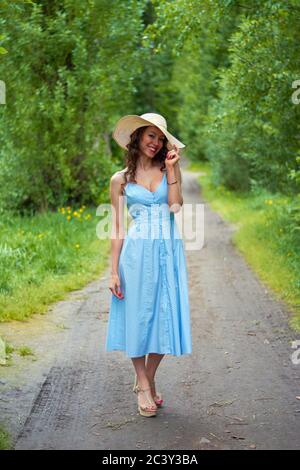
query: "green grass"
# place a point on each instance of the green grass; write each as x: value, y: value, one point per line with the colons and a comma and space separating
x: 25, y: 351
x: 266, y: 236
x: 45, y: 256
x: 5, y: 440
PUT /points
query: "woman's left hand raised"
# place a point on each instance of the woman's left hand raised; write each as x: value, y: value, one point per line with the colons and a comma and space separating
x: 172, y: 157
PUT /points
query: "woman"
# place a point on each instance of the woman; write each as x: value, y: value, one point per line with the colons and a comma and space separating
x: 149, y: 311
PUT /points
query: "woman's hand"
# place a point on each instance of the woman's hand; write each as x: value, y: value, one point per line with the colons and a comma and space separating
x: 172, y: 157
x: 115, y: 286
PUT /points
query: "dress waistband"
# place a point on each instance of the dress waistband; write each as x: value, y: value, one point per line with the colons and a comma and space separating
x: 151, y: 214
x: 151, y: 224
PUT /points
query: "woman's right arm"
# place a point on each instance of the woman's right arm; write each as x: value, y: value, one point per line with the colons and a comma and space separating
x: 117, y: 231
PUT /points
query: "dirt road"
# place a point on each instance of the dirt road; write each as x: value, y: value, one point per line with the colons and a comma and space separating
x: 236, y: 391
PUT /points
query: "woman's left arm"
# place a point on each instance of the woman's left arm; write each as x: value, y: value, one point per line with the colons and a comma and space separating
x: 174, y: 174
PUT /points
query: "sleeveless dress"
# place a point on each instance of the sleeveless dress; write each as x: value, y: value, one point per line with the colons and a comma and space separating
x: 154, y: 315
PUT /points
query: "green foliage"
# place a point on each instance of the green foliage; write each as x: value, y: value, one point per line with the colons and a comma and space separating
x: 220, y: 71
x: 69, y: 75
x: 233, y: 73
x: 253, y: 117
x: 154, y: 90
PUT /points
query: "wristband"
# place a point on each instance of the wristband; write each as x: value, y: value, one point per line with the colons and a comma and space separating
x: 172, y: 183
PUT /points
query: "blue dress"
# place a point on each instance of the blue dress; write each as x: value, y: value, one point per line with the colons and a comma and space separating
x: 154, y: 315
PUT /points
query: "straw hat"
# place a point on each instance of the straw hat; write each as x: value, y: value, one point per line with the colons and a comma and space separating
x: 128, y: 124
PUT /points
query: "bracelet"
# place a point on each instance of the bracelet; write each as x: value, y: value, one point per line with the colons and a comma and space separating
x: 173, y: 182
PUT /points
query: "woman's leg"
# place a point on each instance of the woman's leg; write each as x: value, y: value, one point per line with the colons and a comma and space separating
x: 152, y: 363
x: 145, y: 399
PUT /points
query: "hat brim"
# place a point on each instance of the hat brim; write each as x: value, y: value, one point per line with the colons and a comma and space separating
x: 128, y: 124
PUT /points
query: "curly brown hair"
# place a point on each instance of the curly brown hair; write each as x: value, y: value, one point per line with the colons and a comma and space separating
x: 132, y: 154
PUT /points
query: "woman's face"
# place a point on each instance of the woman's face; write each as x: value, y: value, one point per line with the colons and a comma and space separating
x: 151, y: 141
